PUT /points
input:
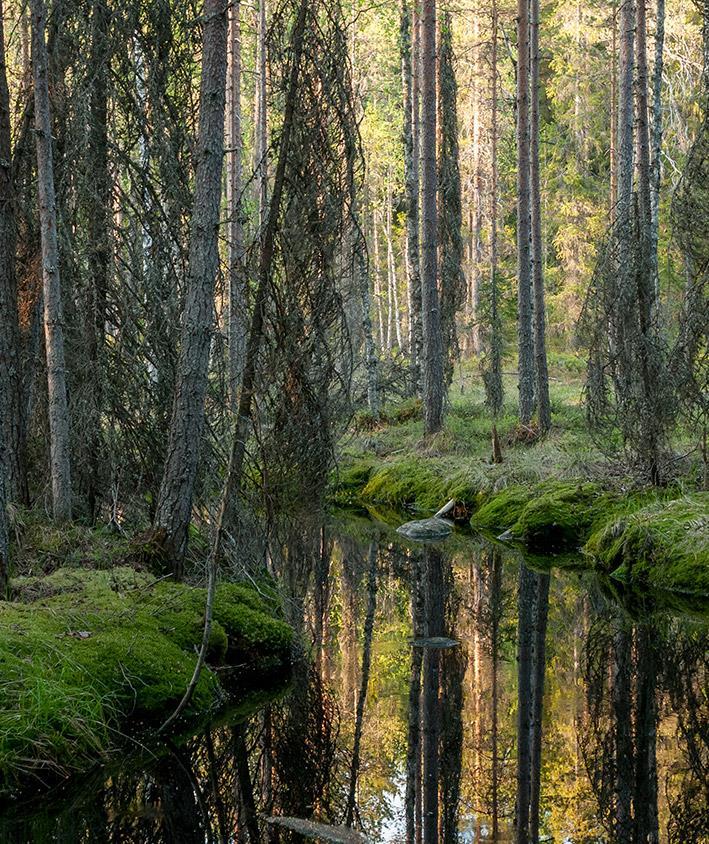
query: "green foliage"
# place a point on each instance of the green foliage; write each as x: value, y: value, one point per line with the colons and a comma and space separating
x: 664, y: 545
x: 89, y: 649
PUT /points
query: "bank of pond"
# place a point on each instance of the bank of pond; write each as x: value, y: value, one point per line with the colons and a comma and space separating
x: 330, y: 691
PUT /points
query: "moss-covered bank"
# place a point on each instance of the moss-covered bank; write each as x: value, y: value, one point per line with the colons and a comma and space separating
x: 663, y: 545
x: 83, y: 654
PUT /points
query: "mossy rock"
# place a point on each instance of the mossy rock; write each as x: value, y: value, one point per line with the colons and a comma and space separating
x: 663, y: 545
x: 96, y: 650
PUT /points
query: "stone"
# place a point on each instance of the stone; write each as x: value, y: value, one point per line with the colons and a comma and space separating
x: 434, y: 528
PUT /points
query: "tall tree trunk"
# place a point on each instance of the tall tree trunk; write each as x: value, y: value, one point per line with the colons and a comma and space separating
x: 625, y: 109
x: 99, y: 221
x: 644, y: 191
x: 246, y: 788
x: 541, y: 611
x: 371, y: 358
x: 540, y: 350
x: 409, y: 80
x: 238, y: 314
x: 378, y: 281
x: 524, y: 265
x: 430, y: 715
x: 525, y: 646
x: 58, y: 407
x: 476, y: 200
x: 493, y: 368
x: 394, y: 295
x: 174, y: 508
x: 262, y: 115
x: 11, y: 428
x: 646, y: 819
x: 496, y: 615
x: 413, y: 750
x: 364, y: 683
x: 432, y: 334
x: 656, y: 142
x: 232, y: 485
x: 613, y: 148
x: 622, y: 717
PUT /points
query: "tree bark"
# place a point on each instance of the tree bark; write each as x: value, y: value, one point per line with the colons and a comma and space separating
x: 409, y: 80
x: 174, y: 506
x: 413, y: 751
x: 432, y: 334
x: 238, y: 313
x: 431, y: 715
x: 11, y: 428
x: 261, y: 145
x: 541, y: 611
x: 524, y: 266
x: 525, y: 645
x: 656, y: 141
x: 58, y: 408
x: 623, y: 821
x: 541, y: 370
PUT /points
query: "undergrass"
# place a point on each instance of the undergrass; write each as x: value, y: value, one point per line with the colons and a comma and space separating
x: 87, y: 650
x: 662, y: 545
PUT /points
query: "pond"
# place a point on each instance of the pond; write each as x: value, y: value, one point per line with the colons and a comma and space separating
x: 410, y: 716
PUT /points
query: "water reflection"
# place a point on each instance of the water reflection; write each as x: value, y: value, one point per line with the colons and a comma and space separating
x: 556, y: 714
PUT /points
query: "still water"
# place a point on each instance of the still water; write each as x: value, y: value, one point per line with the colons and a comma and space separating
x: 402, y: 720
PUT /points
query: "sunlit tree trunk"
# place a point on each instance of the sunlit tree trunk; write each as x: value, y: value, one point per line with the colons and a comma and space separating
x: 378, y: 282
x: 524, y: 266
x: 391, y: 262
x: 613, y: 150
x: 540, y: 351
x: 433, y: 384
x: 409, y: 78
x: 477, y: 198
x: 174, y: 506
x: 58, y: 407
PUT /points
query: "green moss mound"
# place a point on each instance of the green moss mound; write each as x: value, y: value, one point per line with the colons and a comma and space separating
x: 405, y: 483
x: 663, y: 545
x: 88, y: 650
x: 500, y: 510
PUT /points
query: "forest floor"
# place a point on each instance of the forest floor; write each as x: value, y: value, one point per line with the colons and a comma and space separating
x: 560, y: 493
x: 95, y: 650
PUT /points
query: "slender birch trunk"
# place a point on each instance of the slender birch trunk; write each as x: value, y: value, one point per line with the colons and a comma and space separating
x: 58, y: 407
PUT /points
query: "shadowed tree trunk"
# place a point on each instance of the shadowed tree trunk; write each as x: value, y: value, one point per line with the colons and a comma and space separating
x: 413, y: 752
x: 58, y: 408
x: 540, y: 351
x: 541, y: 611
x: 524, y: 266
x: 246, y: 788
x: 174, y: 508
x: 11, y: 433
x: 364, y: 684
x: 238, y: 314
x: 433, y: 385
x: 525, y: 648
x: 430, y: 709
x: 622, y: 692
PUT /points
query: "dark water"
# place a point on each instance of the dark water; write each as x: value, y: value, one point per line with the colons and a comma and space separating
x: 387, y: 736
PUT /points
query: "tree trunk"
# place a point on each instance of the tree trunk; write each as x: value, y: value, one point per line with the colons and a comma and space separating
x: 622, y: 714
x: 99, y: 222
x: 524, y: 266
x: 496, y: 615
x: 431, y: 716
x: 261, y: 145
x: 525, y: 646
x: 174, y: 506
x: 394, y: 297
x: 540, y: 351
x: 409, y: 79
x: 432, y: 335
x: 613, y: 150
x: 647, y: 282
x: 493, y: 370
x: 378, y: 282
x: 370, y: 352
x: 541, y: 611
x: 11, y: 428
x: 364, y: 683
x: 476, y: 207
x: 413, y: 750
x: 656, y: 142
x: 58, y: 407
x: 238, y: 314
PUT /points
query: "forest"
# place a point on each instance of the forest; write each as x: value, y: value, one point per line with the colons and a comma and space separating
x: 354, y: 421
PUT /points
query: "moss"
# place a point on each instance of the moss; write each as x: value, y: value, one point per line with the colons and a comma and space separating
x: 348, y: 482
x: 500, y: 510
x: 663, y: 545
x: 95, y: 648
x: 405, y: 483
x: 558, y: 516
